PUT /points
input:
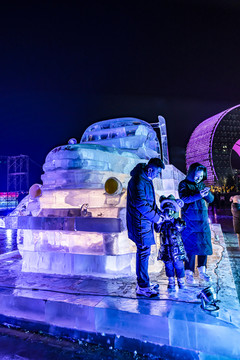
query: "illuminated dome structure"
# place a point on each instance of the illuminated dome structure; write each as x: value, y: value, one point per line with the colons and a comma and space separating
x: 212, y: 142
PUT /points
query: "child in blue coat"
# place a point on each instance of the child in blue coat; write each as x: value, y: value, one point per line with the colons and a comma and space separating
x: 172, y: 251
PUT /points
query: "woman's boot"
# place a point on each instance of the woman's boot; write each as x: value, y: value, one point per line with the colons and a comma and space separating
x: 189, y: 277
x: 203, y: 275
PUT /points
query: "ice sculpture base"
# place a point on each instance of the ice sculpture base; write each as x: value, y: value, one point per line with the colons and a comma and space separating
x: 78, y: 264
x: 109, y: 266
x: 64, y: 246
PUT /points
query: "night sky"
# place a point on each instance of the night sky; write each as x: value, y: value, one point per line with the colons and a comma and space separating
x: 66, y: 65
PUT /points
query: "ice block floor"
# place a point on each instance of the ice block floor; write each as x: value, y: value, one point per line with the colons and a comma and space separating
x: 91, y: 309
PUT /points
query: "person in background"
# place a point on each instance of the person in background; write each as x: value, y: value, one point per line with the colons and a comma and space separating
x: 142, y: 214
x: 197, y: 235
x: 235, y: 209
x: 222, y: 201
x: 172, y: 251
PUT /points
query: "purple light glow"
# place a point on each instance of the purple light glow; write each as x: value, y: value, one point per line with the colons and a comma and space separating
x: 236, y: 147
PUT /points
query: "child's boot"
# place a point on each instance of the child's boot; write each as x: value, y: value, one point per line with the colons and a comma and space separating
x: 203, y: 275
x: 181, y: 283
x: 171, y: 283
x: 189, y: 277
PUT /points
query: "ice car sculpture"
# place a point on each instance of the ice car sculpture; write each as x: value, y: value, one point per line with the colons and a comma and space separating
x: 81, y: 226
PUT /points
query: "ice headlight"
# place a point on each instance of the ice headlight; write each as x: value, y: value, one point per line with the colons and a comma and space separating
x: 113, y: 186
x: 35, y: 191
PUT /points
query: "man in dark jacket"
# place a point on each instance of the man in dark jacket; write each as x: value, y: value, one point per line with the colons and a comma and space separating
x: 197, y: 235
x: 142, y: 214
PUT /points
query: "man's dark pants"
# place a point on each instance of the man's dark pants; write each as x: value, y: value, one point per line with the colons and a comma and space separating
x: 142, y: 257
